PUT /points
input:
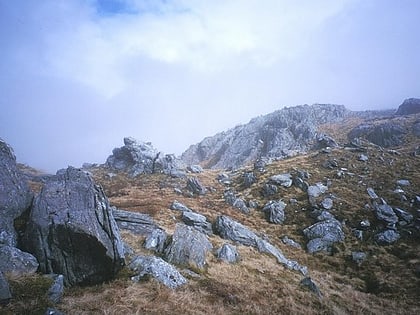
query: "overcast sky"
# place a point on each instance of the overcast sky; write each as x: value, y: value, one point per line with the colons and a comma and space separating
x: 76, y: 76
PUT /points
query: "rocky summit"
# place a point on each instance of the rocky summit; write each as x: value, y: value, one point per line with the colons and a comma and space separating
x: 309, y: 210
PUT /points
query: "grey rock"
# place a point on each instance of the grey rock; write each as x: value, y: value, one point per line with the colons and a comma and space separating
x: 403, y: 182
x: 325, y: 141
x: 409, y: 106
x: 318, y: 245
x: 288, y: 241
x: 176, y: 205
x: 248, y: 178
x: 157, y: 268
x: 322, y: 235
x: 5, y: 293
x: 232, y: 230
x: 372, y: 193
x: 308, y: 283
x: 53, y: 311
x: 364, y: 224
x: 234, y: 201
x: 156, y: 240
x: 315, y: 191
x: 269, y: 190
x: 17, y: 262
x: 300, y: 183
x: 387, y: 237
x: 224, y: 179
x: 197, y: 221
x: 56, y: 290
x: 358, y: 257
x: 138, y: 223
x: 261, y: 163
x: 228, y: 253
x: 323, y: 215
x: 386, y: 135
x: 136, y: 158
x: 72, y: 231
x: 330, y: 164
x: 194, y: 185
x: 416, y: 129
x: 404, y: 215
x: 385, y: 213
x: 195, y: 169
x: 253, y: 204
x: 274, y: 211
x: 189, y: 247
x: 363, y: 158
x: 15, y: 196
x: 284, y: 180
x: 327, y: 203
x: 358, y: 234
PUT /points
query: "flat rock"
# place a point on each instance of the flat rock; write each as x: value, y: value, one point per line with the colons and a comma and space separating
x: 138, y: 223
x: 176, y: 205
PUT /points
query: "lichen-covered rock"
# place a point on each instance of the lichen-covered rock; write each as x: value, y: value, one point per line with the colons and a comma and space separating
x: 236, y: 202
x: 387, y: 237
x: 322, y: 235
x: 385, y: 213
x: 197, y: 221
x: 228, y: 253
x: 16, y: 262
x: 138, y: 223
x: 232, y: 230
x: 156, y: 240
x: 71, y: 230
x: 195, y: 187
x: 284, y: 180
x: 274, y: 211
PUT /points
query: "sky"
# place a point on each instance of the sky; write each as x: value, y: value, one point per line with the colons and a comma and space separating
x: 77, y: 76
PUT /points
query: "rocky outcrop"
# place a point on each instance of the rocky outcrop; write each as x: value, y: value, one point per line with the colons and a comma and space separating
x: 197, y: 221
x: 409, y: 106
x: 15, y: 196
x: 195, y: 186
x: 138, y: 223
x: 136, y: 158
x: 71, y: 230
x: 277, y: 135
x: 387, y: 134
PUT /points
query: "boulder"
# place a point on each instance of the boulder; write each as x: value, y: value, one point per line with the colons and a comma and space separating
x: 158, y: 269
x: 248, y: 178
x: 322, y: 235
x: 228, y: 253
x: 189, y: 247
x: 274, y: 211
x: 324, y: 141
x: 176, y: 205
x: 387, y: 237
x: 224, y: 179
x: 308, y: 283
x: 269, y: 190
x: 363, y: 158
x: 72, y: 231
x: 404, y: 215
x: 17, y: 262
x: 156, y: 240
x: 15, y: 196
x: 372, y: 193
x: 385, y: 213
x: 56, y: 290
x: 358, y: 257
x: 195, y: 169
x: 284, y: 180
x: 195, y: 187
x: 403, y: 182
x: 197, y: 221
x: 327, y: 203
x: 235, y: 201
x: 138, y: 223
x: 409, y: 106
x: 5, y: 294
x: 315, y: 191
x: 300, y: 183
x: 232, y: 230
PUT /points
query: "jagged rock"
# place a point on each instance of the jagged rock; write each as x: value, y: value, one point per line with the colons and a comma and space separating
x: 288, y: 241
x: 195, y: 169
x: 235, y: 231
x: 56, y: 290
x: 327, y: 203
x: 17, y: 262
x: 138, y: 223
x: 248, y: 179
x: 387, y: 237
x: 156, y: 240
x: 307, y: 282
x: 404, y: 215
x: 385, y: 213
x: 330, y: 164
x: 300, y: 183
x: 157, y: 268
x: 194, y: 185
x: 137, y: 158
x: 363, y: 158
x: 253, y: 204
x: 324, y: 141
x: 261, y: 163
x: 409, y: 106
x: 228, y: 253
x: 322, y: 235
x: 315, y: 191
x: 322, y: 215
x: 275, y: 135
x: 176, y: 205
x: 189, y: 247
x: 265, y: 247
x: 364, y: 224
x: 224, y: 179
x: 372, y: 193
x: 197, y: 221
x: 5, y: 294
x: 269, y: 190
x: 15, y: 196
x: 284, y: 180
x: 386, y: 135
x: 234, y: 201
x: 274, y: 211
x: 358, y: 257
x: 403, y: 182
x: 71, y: 230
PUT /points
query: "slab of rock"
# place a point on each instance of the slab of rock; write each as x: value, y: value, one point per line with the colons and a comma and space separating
x: 385, y: 213
x: 156, y: 240
x: 195, y: 169
x: 157, y: 268
x: 17, y: 262
x: 5, y: 294
x: 176, y: 205
x: 274, y: 211
x: 15, y: 196
x: 195, y: 187
x: 232, y: 230
x: 189, y: 247
x: 387, y: 237
x: 71, y: 230
x: 197, y: 221
x: 284, y: 180
x: 138, y: 223
x: 228, y: 253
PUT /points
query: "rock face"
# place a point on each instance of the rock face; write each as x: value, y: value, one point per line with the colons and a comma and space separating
x: 277, y: 135
x: 189, y: 247
x: 409, y: 106
x: 386, y: 135
x: 15, y: 196
x: 137, y: 158
x: 71, y: 230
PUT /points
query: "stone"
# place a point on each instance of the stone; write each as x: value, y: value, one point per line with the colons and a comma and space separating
x: 53, y: 311
x: 284, y: 180
x: 5, y: 293
x: 156, y: 240
x: 138, y: 223
x: 387, y: 237
x: 300, y: 183
x: 330, y: 164
x: 56, y: 290
x: 189, y: 247
x: 15, y: 196
x: 387, y: 134
x: 224, y: 178
x: 372, y: 193
x: 197, y: 221
x: 195, y: 169
x: 71, y: 230
x: 232, y: 230
x: 325, y: 141
x: 385, y: 213
x: 253, y: 204
x: 194, y: 185
x: 308, y: 283
x: 228, y: 253
x: 248, y: 178
x: 269, y: 190
x: 327, y: 203
x: 404, y: 215
x: 409, y: 106
x: 358, y: 257
x: 363, y: 158
x: 364, y: 224
x: 323, y: 215
x: 322, y: 235
x: 235, y: 201
x: 315, y: 191
x: 158, y: 269
x: 260, y: 164
x: 274, y: 211
x: 16, y: 262
x: 288, y: 241
x: 403, y: 182
x: 176, y: 205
